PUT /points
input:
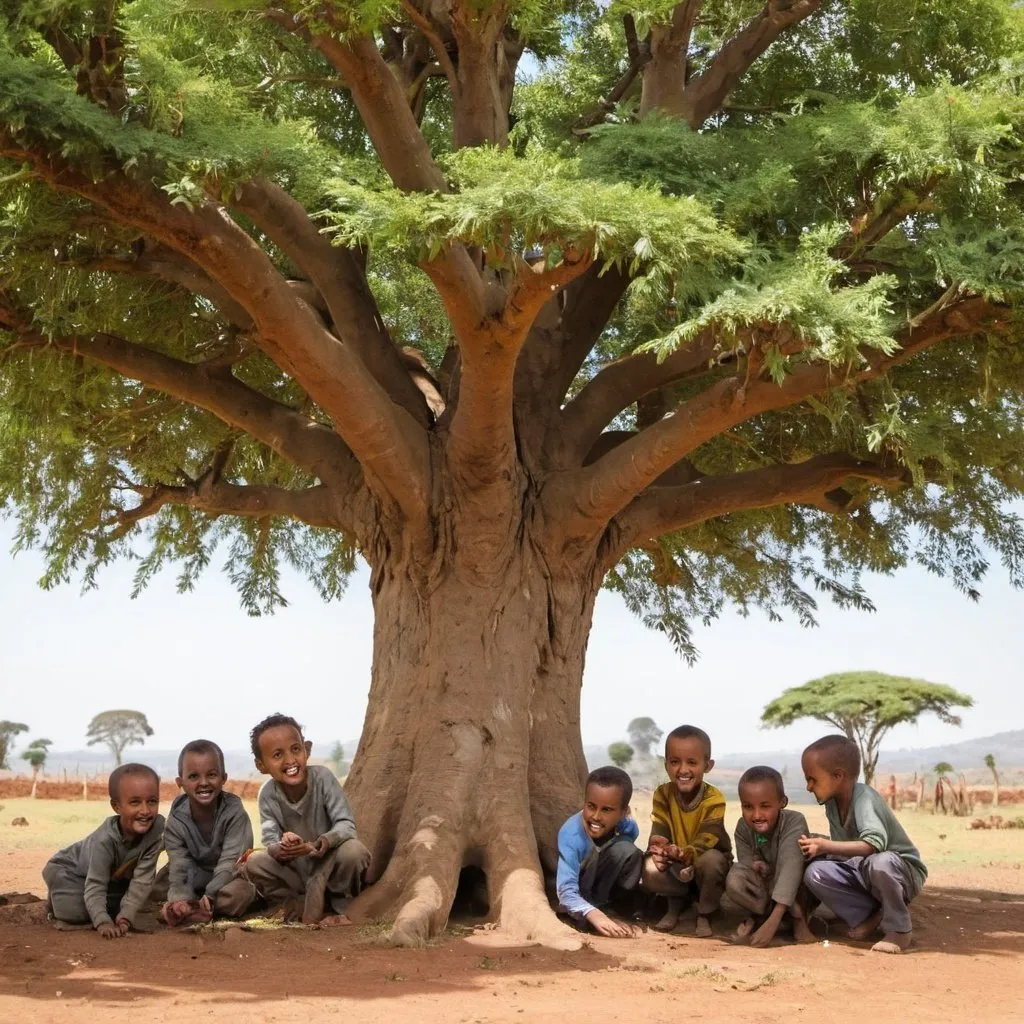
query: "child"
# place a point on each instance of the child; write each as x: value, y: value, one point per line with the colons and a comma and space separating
x: 307, y: 827
x: 598, y: 862
x: 873, y: 870
x: 207, y: 831
x: 106, y: 877
x: 689, y: 845
x: 770, y: 867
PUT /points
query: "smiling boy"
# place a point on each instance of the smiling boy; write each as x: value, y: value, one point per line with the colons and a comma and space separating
x: 770, y: 867
x: 598, y: 863
x: 689, y: 847
x: 869, y: 870
x: 107, y: 877
x: 207, y: 831
x: 306, y: 825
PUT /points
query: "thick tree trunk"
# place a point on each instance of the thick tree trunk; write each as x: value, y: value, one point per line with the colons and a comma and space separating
x: 471, y: 752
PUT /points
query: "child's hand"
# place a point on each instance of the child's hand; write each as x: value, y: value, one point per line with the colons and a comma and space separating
x: 760, y: 868
x: 291, y: 839
x: 673, y: 852
x: 604, y: 925
x: 762, y: 936
x: 109, y: 930
x: 320, y: 847
x: 123, y: 926
x: 174, y: 913
x: 812, y: 846
x: 283, y: 852
x: 656, y: 850
x: 206, y: 905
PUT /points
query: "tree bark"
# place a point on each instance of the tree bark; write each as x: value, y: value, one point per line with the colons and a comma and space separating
x: 471, y: 753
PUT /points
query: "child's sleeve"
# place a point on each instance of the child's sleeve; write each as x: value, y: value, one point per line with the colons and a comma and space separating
x: 270, y: 827
x: 789, y: 869
x: 178, y: 858
x: 343, y: 825
x: 567, y: 878
x: 871, y: 828
x: 629, y: 828
x: 97, y: 880
x: 744, y: 849
x: 237, y: 839
x: 145, y: 873
x: 661, y: 822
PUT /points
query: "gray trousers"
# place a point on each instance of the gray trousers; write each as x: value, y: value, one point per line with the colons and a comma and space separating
x: 612, y: 873
x: 233, y: 898
x: 855, y: 888
x: 709, y: 874
x: 341, y: 872
x: 748, y: 890
x: 67, y: 901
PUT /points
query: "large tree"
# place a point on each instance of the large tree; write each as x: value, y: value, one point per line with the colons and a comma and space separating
x: 118, y: 730
x: 710, y: 302
x: 866, y: 706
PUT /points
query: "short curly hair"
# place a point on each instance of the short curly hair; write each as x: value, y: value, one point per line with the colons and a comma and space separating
x: 270, y: 722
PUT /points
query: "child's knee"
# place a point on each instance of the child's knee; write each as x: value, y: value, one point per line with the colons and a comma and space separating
x: 884, y: 866
x: 816, y: 874
x: 658, y: 881
x: 260, y: 866
x: 712, y: 864
x: 352, y: 854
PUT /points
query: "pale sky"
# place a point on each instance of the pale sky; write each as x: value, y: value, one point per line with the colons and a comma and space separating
x: 196, y: 664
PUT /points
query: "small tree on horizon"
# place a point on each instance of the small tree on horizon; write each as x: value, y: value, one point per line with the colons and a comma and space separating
x: 118, y: 729
x: 337, y: 757
x: 643, y: 734
x: 35, y: 753
x: 8, y: 730
x: 864, y: 706
x: 943, y: 768
x: 990, y: 764
x: 620, y: 753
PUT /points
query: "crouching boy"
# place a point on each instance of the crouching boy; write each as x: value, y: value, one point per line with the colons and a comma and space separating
x: 598, y: 862
x: 307, y: 827
x: 869, y: 869
x: 689, y: 847
x: 207, y: 832
x: 769, y: 868
x: 105, y: 878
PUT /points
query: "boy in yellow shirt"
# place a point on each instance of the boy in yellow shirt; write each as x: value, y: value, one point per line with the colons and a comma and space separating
x: 689, y: 848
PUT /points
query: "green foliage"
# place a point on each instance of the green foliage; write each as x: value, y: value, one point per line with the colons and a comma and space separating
x: 36, y: 753
x: 943, y: 768
x: 117, y: 730
x: 644, y: 734
x: 757, y: 222
x: 8, y: 730
x: 865, y: 706
x: 620, y: 754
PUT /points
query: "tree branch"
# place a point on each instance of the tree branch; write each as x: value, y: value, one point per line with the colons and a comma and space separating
x: 389, y: 444
x: 314, y: 506
x: 624, y: 382
x: 339, y: 277
x: 661, y: 510
x: 598, y: 492
x: 422, y: 22
x: 705, y: 93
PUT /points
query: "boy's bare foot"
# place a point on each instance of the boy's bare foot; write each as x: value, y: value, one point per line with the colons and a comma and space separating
x: 703, y: 930
x: 671, y: 916
x: 334, y: 921
x: 864, y: 931
x: 894, y: 942
x: 802, y: 931
x: 744, y: 928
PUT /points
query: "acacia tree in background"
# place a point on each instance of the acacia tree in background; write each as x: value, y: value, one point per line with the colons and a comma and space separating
x: 645, y: 734
x: 35, y: 753
x: 620, y: 753
x: 865, y: 706
x: 302, y: 281
x: 8, y: 730
x: 118, y: 730
x: 990, y: 764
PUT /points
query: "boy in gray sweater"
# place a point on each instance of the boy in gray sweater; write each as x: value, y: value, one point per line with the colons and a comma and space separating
x: 307, y: 828
x: 105, y: 878
x: 207, y: 833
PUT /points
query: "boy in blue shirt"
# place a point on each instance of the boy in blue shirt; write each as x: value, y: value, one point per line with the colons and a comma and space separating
x: 598, y: 861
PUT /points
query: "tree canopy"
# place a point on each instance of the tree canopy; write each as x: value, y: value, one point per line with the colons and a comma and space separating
x: 36, y: 753
x: 117, y: 730
x: 864, y: 706
x: 644, y: 734
x: 620, y: 753
x: 849, y: 203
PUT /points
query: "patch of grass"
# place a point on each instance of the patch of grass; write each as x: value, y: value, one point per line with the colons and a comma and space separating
x: 704, y: 972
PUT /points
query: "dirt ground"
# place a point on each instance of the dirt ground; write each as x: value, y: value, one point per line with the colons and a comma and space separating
x: 968, y: 962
